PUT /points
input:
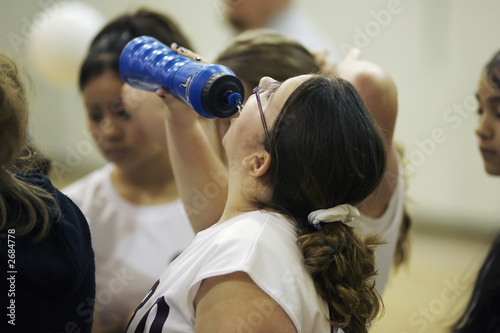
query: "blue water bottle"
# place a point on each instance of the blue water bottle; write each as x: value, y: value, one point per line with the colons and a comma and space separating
x: 211, y: 90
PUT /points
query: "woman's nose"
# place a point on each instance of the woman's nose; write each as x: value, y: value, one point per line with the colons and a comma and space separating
x: 483, y: 130
x: 110, y: 129
x: 265, y: 79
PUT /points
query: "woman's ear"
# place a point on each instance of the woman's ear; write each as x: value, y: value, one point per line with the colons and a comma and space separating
x: 257, y: 163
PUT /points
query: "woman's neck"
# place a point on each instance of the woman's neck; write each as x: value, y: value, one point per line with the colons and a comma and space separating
x: 151, y: 184
x: 240, y: 200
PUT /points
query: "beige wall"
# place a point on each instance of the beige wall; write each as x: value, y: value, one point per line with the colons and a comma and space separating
x: 434, y: 49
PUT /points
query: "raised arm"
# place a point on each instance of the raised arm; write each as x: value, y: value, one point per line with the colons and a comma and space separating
x: 193, y: 147
x: 198, y: 168
x: 379, y: 92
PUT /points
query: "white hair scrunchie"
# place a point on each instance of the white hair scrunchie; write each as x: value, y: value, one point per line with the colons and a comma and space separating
x: 341, y: 213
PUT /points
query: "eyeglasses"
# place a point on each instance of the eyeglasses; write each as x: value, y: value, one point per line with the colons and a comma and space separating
x: 264, y: 93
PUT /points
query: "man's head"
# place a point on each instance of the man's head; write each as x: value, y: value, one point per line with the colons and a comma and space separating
x: 250, y: 14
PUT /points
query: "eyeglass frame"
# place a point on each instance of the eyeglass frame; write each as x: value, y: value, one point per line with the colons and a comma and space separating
x: 257, y: 91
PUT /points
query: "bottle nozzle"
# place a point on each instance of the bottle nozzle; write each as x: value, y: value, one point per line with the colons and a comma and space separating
x: 234, y: 99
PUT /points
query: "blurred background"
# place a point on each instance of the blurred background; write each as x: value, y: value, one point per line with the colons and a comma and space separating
x: 435, y: 50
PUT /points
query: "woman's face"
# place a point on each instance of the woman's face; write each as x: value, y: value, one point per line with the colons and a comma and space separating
x: 247, y: 130
x: 116, y: 130
x: 223, y: 123
x: 488, y: 128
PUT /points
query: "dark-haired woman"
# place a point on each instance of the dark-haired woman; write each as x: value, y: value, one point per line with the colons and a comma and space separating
x: 137, y: 221
x: 282, y: 256
x: 482, y: 312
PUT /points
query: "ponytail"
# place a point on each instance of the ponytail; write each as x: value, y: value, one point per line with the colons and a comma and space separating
x: 342, y: 266
x: 326, y: 150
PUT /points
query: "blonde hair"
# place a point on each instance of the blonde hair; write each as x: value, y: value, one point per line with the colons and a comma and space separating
x: 28, y: 202
x: 263, y: 52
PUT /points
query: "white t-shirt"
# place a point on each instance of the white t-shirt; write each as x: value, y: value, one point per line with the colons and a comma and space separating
x: 132, y: 244
x: 259, y: 243
x: 387, y: 227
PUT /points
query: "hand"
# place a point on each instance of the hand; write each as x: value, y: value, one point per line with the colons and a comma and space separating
x: 332, y: 68
x: 187, y: 53
x: 178, y: 113
x: 351, y: 60
x: 146, y: 109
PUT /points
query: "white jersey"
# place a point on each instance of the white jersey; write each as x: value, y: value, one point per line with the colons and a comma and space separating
x: 387, y: 227
x: 133, y: 244
x: 259, y: 243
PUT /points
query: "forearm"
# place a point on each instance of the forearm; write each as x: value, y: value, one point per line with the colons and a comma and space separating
x: 200, y: 174
x: 378, y: 90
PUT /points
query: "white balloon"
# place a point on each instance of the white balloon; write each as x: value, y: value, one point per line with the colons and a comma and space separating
x: 59, y: 38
